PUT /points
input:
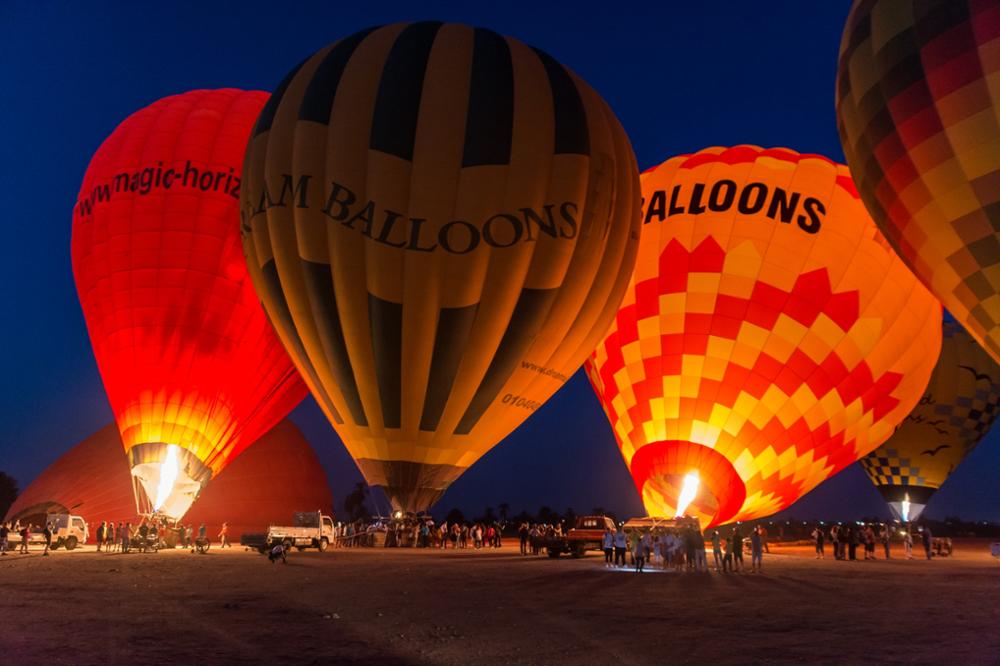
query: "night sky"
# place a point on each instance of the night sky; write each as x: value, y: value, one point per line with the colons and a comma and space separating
x: 681, y: 76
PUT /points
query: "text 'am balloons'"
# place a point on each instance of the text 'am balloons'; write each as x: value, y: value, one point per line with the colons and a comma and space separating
x: 918, y: 108
x: 193, y: 369
x: 441, y: 222
x: 958, y: 407
x: 768, y: 339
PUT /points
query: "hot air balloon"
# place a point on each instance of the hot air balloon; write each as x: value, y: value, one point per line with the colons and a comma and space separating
x: 276, y: 476
x: 192, y: 368
x: 958, y: 407
x: 768, y: 339
x: 440, y: 222
x: 917, y: 110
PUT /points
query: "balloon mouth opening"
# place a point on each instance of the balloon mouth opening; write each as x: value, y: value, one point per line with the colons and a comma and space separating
x: 907, y: 503
x: 409, y: 486
x: 166, y: 479
x: 677, y: 478
x: 907, y: 511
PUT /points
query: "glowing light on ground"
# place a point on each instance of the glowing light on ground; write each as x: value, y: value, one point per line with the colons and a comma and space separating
x: 168, y: 475
x: 688, y: 492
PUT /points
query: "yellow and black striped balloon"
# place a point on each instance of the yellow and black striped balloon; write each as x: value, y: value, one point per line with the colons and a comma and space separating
x: 441, y: 223
x: 961, y: 402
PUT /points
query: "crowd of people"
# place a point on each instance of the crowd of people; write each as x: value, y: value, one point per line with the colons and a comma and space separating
x: 676, y: 548
x: 420, y: 532
x: 149, y: 534
x: 684, y: 549
x: 846, y: 540
x: 25, y: 533
x: 679, y: 548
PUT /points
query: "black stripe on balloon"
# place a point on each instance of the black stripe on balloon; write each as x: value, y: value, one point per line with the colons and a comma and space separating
x: 397, y: 105
x: 897, y: 493
x: 322, y: 88
x: 281, y: 312
x: 451, y: 339
x: 266, y: 117
x: 572, y: 133
x: 387, y: 346
x: 529, y: 315
x: 319, y: 285
x: 489, y: 121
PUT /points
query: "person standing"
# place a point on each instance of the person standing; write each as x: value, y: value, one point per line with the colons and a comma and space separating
x: 523, y: 535
x: 25, y: 537
x: 443, y: 535
x: 852, y: 542
x: 607, y: 545
x: 756, y: 551
x: 717, y: 550
x: 224, y: 536
x: 100, y: 534
x: 818, y: 538
x: 4, y: 535
x: 127, y: 538
x: 490, y: 536
x: 639, y: 553
x: 48, y: 538
x: 737, y: 550
x: 727, y: 558
x: 763, y: 538
x: 926, y: 536
x: 883, y: 535
x: 908, y: 544
x: 687, y: 536
x: 700, y: 561
x: 621, y: 543
x: 835, y: 541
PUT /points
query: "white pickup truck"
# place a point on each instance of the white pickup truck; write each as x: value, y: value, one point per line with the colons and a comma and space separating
x: 310, y: 529
x: 67, y: 532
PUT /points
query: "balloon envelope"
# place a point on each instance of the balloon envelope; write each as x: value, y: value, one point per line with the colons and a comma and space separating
x: 274, y: 477
x: 191, y: 365
x: 441, y: 222
x: 917, y: 109
x: 769, y: 336
x: 958, y: 407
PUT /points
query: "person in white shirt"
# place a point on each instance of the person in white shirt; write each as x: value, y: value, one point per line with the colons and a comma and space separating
x: 608, y: 544
x: 621, y: 544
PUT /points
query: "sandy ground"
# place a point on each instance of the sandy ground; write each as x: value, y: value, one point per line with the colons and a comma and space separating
x: 492, y: 607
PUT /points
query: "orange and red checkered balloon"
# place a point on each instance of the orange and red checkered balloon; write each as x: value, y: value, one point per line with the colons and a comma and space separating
x: 918, y: 108
x: 769, y: 336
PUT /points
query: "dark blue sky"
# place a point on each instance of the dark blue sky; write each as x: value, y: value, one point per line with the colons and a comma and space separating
x: 680, y: 76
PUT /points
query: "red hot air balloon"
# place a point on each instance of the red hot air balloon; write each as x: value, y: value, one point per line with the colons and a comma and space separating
x: 193, y: 370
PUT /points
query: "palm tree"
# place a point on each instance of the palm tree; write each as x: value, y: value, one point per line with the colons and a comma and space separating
x: 504, y: 508
x: 354, y: 503
x: 8, y: 492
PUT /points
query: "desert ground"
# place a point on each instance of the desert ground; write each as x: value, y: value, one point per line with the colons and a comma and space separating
x: 415, y: 606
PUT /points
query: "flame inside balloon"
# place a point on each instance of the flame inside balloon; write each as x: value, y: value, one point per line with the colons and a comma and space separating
x: 168, y: 474
x: 688, y: 492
